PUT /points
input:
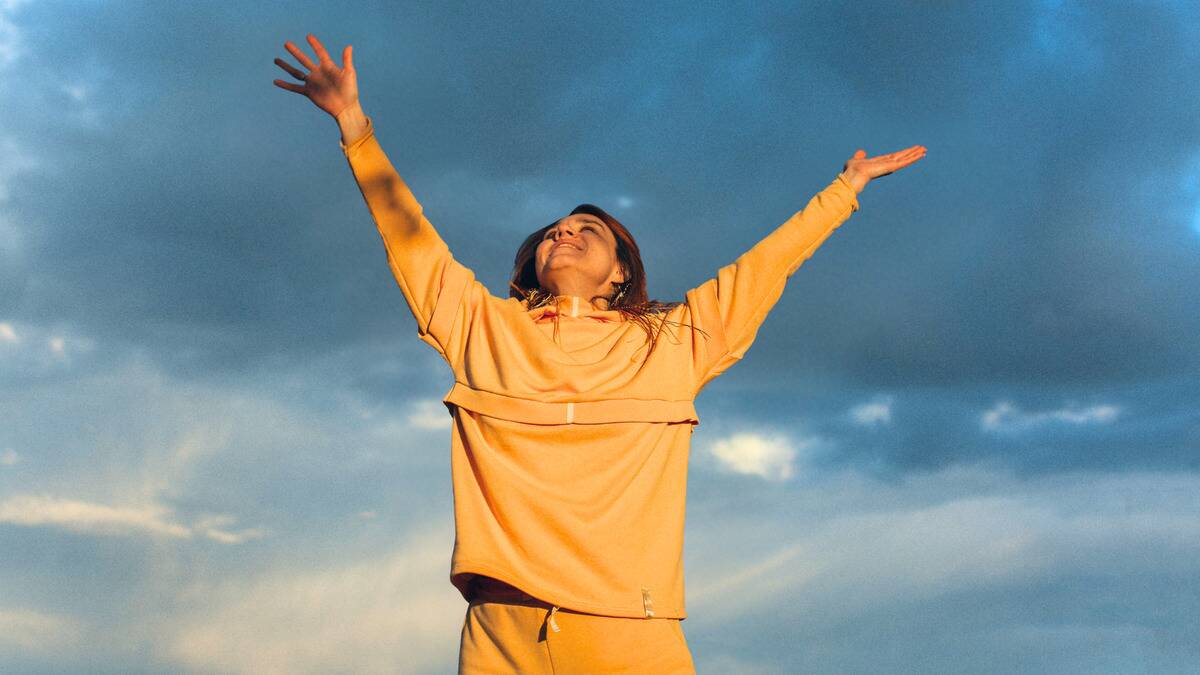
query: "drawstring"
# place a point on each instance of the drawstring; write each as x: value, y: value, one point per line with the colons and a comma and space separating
x: 550, y: 618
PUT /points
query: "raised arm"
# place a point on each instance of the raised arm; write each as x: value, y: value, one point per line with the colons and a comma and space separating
x: 433, y: 282
x: 734, y: 304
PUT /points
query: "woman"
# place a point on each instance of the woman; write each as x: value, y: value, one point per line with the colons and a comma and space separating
x: 572, y: 407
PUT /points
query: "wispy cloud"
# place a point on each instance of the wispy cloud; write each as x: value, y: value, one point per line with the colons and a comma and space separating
x: 28, y: 348
x: 11, y: 36
x: 429, y: 414
x: 873, y: 413
x: 14, y: 161
x: 372, y: 616
x: 90, y: 518
x: 120, y: 521
x: 9, y: 457
x: 890, y: 544
x: 37, y: 631
x: 1004, y: 416
x: 215, y: 527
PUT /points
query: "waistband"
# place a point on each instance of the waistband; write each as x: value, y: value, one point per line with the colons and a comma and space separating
x: 530, y: 411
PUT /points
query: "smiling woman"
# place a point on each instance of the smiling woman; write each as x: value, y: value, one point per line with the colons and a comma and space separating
x: 537, y: 281
x: 569, y: 448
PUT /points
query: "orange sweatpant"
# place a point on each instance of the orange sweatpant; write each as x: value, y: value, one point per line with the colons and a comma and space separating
x: 534, y: 638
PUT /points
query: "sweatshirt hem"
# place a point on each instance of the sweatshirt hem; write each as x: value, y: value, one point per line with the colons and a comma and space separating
x: 552, y: 597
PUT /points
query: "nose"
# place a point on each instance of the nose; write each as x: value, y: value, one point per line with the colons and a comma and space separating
x: 564, y: 227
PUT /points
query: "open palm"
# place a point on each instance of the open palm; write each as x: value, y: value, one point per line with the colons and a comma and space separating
x: 860, y: 169
x: 331, y: 88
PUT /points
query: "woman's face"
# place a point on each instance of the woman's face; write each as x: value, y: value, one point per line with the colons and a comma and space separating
x: 577, y: 255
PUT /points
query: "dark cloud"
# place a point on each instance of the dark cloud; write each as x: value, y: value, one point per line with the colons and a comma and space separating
x: 211, y: 221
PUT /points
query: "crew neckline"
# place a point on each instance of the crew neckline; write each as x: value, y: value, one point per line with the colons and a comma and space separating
x: 574, y: 306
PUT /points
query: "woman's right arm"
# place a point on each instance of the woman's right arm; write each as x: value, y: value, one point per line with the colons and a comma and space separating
x: 433, y: 282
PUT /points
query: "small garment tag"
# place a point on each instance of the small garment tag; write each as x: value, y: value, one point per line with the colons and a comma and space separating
x: 647, y: 603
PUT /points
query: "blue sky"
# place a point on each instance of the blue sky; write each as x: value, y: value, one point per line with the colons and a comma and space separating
x: 967, y: 439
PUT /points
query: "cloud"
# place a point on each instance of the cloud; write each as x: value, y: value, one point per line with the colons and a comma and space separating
x: 117, y: 521
x: 11, y: 36
x: 215, y: 527
x: 1006, y: 417
x: 90, y: 518
x: 9, y: 457
x: 873, y: 413
x: 14, y: 161
x: 860, y: 572
x: 36, y: 631
x: 772, y: 458
x: 429, y: 414
x: 378, y: 615
x: 31, y: 350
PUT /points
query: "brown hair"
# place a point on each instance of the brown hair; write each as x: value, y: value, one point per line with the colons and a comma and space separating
x: 628, y: 297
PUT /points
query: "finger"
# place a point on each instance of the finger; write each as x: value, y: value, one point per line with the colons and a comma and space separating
x: 300, y: 56
x: 294, y: 72
x: 347, y: 58
x: 290, y: 87
x: 319, y: 48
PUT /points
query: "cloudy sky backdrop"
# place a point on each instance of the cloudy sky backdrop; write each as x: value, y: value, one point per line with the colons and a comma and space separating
x: 967, y: 439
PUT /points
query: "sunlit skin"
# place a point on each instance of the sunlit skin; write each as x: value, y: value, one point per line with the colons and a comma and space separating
x: 585, y: 272
x: 578, y: 256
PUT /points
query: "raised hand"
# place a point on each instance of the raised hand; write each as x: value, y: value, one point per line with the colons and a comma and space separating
x: 331, y: 88
x: 860, y: 169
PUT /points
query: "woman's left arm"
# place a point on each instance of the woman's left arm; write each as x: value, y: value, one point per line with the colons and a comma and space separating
x: 735, y: 303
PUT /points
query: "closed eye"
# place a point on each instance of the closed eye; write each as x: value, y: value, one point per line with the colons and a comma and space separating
x: 550, y: 234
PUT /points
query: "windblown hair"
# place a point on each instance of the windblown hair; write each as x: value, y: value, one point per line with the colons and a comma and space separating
x: 628, y: 297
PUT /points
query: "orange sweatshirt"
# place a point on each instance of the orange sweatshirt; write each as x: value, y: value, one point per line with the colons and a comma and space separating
x: 569, y: 449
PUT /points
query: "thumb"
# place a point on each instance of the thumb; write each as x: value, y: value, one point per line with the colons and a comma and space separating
x: 348, y: 58
x: 860, y: 154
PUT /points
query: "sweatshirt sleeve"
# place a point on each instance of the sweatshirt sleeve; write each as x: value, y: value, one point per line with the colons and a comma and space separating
x: 730, y: 307
x: 433, y: 283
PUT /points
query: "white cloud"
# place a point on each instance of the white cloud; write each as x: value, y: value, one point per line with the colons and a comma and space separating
x: 78, y: 92
x: 13, y: 162
x: 33, y: 631
x: 1004, y: 416
x: 11, y: 38
x: 117, y: 521
x: 863, y: 546
x: 90, y: 518
x: 30, y: 349
x: 9, y: 457
x: 374, y: 616
x: 771, y: 458
x: 214, y: 527
x: 873, y: 413
x: 430, y: 414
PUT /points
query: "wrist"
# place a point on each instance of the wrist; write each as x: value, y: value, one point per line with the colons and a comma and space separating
x: 856, y: 180
x: 352, y: 122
